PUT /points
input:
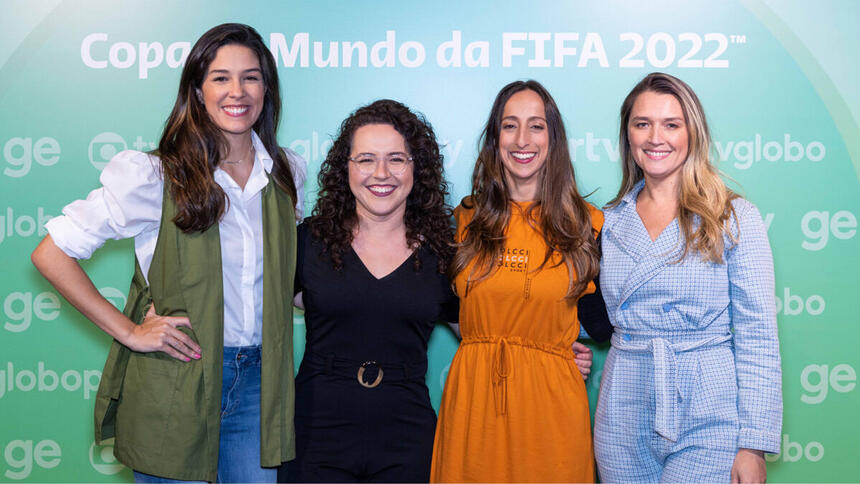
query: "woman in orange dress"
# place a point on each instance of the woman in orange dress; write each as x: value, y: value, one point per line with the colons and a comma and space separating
x: 515, y: 406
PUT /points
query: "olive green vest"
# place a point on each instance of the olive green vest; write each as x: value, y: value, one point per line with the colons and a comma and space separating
x: 165, y: 413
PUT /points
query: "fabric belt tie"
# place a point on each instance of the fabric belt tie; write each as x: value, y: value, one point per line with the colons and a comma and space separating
x: 665, y: 373
x: 502, y: 369
x: 501, y: 372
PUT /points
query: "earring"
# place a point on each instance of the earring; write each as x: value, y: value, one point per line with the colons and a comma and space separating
x: 199, y: 95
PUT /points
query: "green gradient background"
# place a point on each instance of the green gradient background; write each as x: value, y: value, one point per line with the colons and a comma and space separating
x: 796, y: 74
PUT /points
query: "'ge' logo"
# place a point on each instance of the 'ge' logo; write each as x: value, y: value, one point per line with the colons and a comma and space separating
x: 817, y: 227
x: 21, y: 306
x: 103, y: 460
x: 842, y: 378
x: 104, y: 147
x: 20, y: 153
x: 21, y: 454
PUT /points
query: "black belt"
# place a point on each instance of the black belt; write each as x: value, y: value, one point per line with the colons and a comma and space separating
x: 368, y: 373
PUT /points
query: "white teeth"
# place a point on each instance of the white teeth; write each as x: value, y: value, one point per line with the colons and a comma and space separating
x: 381, y: 190
x: 656, y: 153
x: 522, y: 156
x: 235, y: 110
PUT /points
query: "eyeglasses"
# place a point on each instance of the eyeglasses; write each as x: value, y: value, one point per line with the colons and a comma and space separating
x: 396, y: 163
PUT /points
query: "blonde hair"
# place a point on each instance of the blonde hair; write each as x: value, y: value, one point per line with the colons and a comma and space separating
x: 704, y: 198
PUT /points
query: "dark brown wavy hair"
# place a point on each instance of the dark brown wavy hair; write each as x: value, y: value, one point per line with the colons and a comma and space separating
x: 427, y: 217
x: 192, y: 145
x: 564, y: 219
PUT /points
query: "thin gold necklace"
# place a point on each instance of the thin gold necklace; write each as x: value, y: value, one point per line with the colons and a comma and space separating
x: 236, y: 162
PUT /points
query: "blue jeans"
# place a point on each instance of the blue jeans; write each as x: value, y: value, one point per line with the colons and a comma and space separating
x: 239, y: 448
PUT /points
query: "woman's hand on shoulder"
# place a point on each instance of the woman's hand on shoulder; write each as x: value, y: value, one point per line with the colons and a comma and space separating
x: 749, y: 466
x: 161, y: 333
x: 582, y: 356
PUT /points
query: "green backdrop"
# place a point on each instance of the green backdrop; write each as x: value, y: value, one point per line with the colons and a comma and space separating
x: 80, y: 80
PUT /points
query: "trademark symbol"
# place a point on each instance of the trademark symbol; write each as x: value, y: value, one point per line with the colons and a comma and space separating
x: 738, y: 39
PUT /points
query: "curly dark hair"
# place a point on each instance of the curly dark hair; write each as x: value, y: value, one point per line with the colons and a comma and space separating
x: 428, y: 216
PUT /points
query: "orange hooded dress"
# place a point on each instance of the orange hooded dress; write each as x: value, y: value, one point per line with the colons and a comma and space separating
x: 514, y: 407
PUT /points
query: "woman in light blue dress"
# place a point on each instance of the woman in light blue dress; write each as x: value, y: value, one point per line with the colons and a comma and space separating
x: 691, y: 388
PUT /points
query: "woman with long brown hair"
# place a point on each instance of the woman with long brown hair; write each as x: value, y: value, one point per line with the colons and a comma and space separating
x: 691, y: 388
x: 198, y: 382
x: 514, y: 406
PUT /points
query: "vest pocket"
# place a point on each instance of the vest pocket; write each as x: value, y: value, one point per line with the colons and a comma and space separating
x: 157, y: 411
x: 144, y: 409
x: 155, y: 363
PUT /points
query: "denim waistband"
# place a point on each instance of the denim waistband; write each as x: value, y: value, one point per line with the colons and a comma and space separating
x: 242, y: 355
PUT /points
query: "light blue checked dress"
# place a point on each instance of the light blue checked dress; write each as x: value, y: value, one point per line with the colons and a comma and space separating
x: 694, y: 369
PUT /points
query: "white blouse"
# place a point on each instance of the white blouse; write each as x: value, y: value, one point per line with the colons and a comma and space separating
x: 129, y: 205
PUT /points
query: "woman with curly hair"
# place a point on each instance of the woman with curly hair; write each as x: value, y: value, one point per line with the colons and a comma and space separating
x: 371, y: 277
x: 691, y: 388
x: 515, y: 407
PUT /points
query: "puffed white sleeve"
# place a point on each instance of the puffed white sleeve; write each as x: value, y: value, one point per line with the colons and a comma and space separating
x: 127, y: 204
x: 299, y: 167
x: 753, y: 312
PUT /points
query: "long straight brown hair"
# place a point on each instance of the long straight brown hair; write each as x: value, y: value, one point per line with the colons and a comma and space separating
x: 705, y: 201
x: 564, y: 219
x: 192, y: 145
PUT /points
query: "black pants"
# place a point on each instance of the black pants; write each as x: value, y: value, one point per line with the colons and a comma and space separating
x: 346, y: 432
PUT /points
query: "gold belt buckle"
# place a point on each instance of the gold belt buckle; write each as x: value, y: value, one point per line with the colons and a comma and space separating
x: 361, y: 375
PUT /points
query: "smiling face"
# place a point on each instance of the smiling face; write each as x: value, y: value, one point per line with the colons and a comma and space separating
x: 524, y: 144
x: 658, y: 136
x: 379, y: 195
x: 233, y: 89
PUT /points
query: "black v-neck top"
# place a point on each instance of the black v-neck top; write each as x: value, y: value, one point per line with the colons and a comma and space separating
x: 352, y: 315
